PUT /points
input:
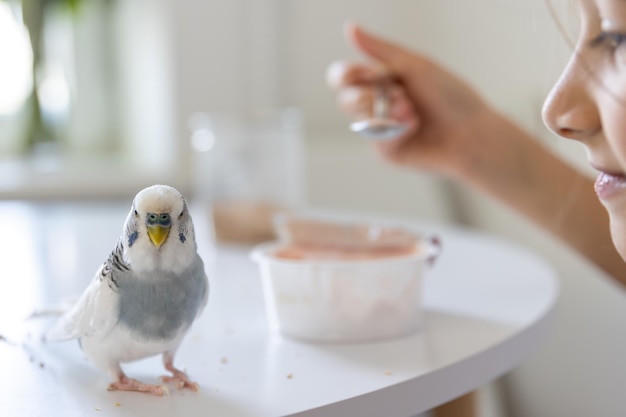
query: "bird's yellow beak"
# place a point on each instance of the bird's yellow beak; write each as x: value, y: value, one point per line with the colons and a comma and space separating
x: 158, y: 234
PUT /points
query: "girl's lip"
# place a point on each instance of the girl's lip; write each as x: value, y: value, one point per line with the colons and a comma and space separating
x: 608, y: 184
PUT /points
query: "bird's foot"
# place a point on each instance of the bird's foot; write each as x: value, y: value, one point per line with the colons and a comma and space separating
x: 129, y: 384
x: 180, y: 380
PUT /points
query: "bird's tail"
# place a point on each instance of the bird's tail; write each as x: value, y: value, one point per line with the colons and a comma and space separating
x: 52, y: 310
x: 46, y: 312
x: 61, y: 330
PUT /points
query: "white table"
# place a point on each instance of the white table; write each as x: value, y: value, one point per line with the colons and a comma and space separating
x: 489, y: 304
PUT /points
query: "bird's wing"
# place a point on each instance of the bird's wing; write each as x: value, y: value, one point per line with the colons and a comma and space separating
x: 95, y: 311
x: 205, y: 288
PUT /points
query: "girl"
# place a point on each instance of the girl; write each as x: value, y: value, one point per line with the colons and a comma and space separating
x: 455, y: 132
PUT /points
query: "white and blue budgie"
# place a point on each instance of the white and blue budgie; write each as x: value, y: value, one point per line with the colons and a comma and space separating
x: 146, y: 295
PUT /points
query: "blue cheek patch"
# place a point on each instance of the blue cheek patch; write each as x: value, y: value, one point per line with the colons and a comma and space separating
x: 132, y: 238
x: 182, y: 237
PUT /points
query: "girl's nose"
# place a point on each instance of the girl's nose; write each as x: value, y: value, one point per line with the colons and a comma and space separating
x: 569, y: 110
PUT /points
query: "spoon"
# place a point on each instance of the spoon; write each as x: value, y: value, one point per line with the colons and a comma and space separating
x: 381, y: 126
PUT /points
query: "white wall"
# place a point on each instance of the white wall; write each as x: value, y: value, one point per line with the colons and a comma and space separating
x: 229, y: 58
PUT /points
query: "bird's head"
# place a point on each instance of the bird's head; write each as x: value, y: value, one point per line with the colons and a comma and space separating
x: 160, y: 213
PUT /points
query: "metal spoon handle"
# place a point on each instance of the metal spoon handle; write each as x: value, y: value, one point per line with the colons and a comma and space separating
x: 381, y: 102
x: 380, y: 126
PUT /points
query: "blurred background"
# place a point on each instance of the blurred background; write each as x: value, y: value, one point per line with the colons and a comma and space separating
x: 100, y: 98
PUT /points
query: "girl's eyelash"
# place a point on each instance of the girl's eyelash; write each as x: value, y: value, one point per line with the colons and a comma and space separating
x: 610, y: 39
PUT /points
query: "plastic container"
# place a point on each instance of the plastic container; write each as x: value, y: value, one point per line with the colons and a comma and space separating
x: 345, y: 300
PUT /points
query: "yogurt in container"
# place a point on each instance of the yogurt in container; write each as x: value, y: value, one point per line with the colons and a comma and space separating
x: 327, y: 281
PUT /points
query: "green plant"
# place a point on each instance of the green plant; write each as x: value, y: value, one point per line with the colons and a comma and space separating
x: 34, y: 14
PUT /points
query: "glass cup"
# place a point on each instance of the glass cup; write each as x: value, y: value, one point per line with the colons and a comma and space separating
x: 246, y: 168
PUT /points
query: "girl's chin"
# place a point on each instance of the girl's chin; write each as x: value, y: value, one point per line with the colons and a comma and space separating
x: 618, y: 232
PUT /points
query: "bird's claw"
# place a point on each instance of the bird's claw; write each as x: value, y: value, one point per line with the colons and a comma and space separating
x: 181, y: 381
x: 128, y: 384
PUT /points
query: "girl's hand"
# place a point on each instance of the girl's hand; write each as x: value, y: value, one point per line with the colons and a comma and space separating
x: 447, y: 118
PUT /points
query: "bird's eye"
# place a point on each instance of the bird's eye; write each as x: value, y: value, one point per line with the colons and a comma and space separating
x: 181, y: 214
x: 136, y: 214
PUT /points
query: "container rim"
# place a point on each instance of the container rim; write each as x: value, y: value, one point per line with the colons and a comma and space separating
x: 431, y: 244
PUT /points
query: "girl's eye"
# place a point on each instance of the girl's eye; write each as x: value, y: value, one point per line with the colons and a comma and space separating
x: 615, y: 40
x: 613, y: 45
x: 612, y: 40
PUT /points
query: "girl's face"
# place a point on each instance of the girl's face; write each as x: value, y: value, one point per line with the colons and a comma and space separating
x: 588, y: 104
